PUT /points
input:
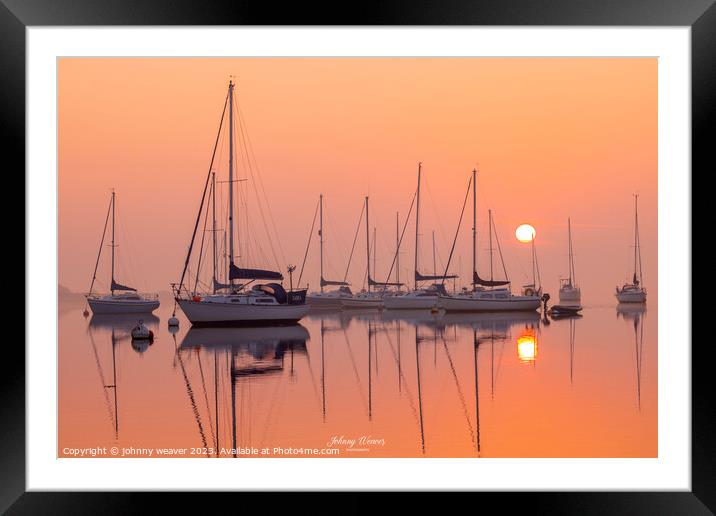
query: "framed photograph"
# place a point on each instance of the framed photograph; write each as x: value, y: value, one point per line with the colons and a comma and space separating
x: 430, y: 251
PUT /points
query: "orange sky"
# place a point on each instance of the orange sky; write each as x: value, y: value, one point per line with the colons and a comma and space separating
x: 553, y: 137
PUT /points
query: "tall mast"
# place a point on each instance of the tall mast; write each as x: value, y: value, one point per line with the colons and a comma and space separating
x: 397, y: 247
x: 435, y: 270
x: 637, y: 250
x: 320, y: 235
x: 367, y: 240
x: 571, y: 261
x: 375, y: 254
x: 112, y: 284
x: 474, y: 225
x: 213, y: 228
x: 231, y: 176
x: 417, y: 224
x: 534, y: 273
x: 489, y: 212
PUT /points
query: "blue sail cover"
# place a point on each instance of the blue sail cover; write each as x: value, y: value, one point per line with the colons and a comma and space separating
x: 253, y: 274
x: 117, y: 286
x: 326, y: 283
x: 420, y: 277
x: 374, y: 283
x: 477, y: 280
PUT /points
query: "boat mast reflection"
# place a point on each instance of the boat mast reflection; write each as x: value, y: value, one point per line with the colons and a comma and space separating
x: 250, y: 353
x: 635, y: 313
x: 119, y: 330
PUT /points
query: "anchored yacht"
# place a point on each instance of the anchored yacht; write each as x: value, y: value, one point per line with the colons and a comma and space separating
x: 235, y: 303
x: 121, y: 299
x: 634, y: 292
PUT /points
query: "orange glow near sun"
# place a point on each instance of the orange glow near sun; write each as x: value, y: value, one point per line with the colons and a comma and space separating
x: 527, y: 348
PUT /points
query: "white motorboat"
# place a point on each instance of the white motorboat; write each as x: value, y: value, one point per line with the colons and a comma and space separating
x: 569, y: 292
x: 488, y: 295
x: 634, y: 292
x: 233, y: 303
x: 121, y: 299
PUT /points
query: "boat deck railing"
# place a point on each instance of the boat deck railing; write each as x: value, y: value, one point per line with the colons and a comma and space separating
x: 144, y: 296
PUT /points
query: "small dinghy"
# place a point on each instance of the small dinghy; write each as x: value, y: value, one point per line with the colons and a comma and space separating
x: 141, y: 332
x: 565, y: 310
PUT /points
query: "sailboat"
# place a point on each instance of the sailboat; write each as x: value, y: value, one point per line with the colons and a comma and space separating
x: 634, y: 292
x: 121, y: 299
x: 569, y: 292
x: 329, y: 298
x: 420, y: 298
x: 368, y: 298
x: 487, y: 295
x: 237, y: 304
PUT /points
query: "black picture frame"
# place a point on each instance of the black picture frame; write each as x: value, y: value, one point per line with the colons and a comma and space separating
x: 700, y: 15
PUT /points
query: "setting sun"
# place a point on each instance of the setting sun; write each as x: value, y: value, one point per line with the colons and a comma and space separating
x: 525, y: 233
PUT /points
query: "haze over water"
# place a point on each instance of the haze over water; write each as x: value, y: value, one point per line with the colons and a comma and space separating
x: 595, y: 397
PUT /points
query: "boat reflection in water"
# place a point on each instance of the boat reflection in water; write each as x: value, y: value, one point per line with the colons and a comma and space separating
x: 121, y: 326
x: 636, y: 313
x: 123, y: 322
x: 240, y: 354
x: 424, y: 383
x: 255, y: 351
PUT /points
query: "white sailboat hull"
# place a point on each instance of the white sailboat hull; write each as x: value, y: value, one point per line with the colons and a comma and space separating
x: 122, y: 306
x: 319, y: 301
x: 632, y: 296
x: 202, y: 313
x: 473, y: 304
x: 408, y: 302
x: 357, y: 302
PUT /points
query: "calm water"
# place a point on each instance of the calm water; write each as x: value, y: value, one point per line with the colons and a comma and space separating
x: 365, y: 383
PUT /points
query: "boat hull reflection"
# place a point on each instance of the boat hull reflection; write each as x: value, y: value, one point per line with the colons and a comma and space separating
x: 243, y: 337
x: 630, y: 310
x: 122, y: 321
x: 257, y: 351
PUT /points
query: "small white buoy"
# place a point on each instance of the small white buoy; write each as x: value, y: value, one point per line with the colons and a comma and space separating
x: 142, y: 332
x: 173, y: 322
